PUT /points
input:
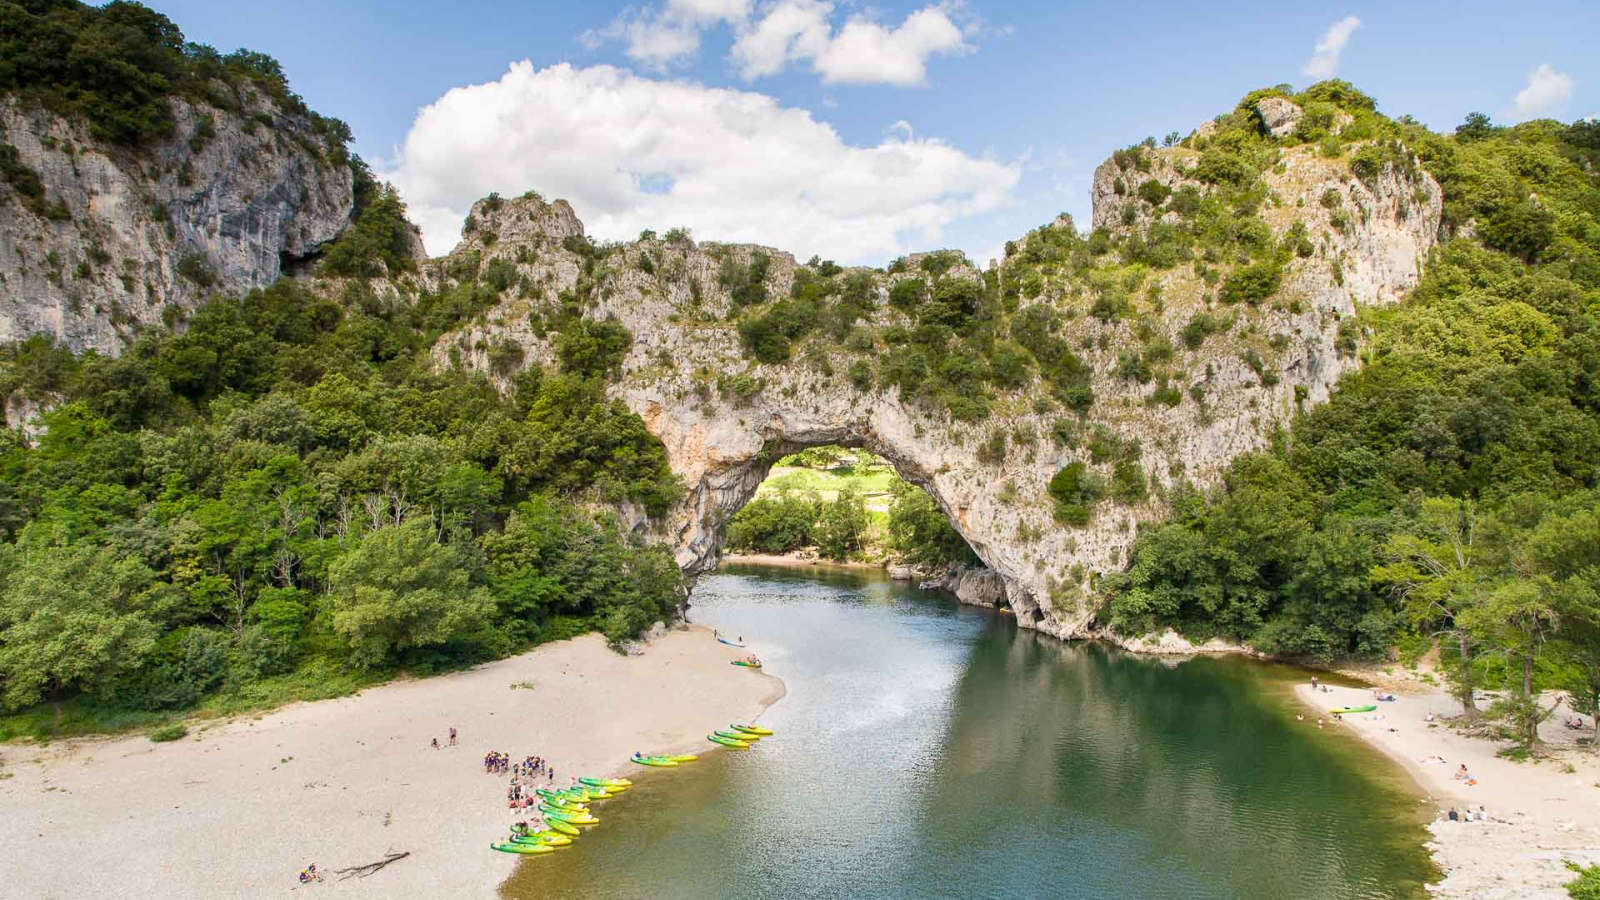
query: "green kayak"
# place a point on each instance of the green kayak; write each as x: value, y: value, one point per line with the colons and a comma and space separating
x: 727, y: 742
x: 753, y: 729
x: 609, y: 784
x: 566, y: 828
x: 736, y: 736
x: 653, y: 761
x: 525, y: 849
x: 1353, y: 709
x: 566, y: 815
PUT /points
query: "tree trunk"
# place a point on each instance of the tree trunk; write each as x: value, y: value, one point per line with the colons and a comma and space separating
x: 1469, y: 704
x: 1532, y: 708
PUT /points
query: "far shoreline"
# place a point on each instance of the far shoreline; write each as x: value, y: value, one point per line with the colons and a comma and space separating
x: 795, y: 562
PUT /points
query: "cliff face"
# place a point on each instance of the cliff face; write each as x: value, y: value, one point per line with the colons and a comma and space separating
x: 120, y: 236
x: 725, y: 419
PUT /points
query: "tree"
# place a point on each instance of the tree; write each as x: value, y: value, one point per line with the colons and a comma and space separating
x: 402, y: 589
x: 920, y: 531
x: 70, y: 617
x: 1520, y: 618
x: 1431, y: 570
x: 843, y: 525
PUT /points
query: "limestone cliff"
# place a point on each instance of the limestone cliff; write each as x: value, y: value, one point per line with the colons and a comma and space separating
x: 725, y: 419
x: 119, y: 236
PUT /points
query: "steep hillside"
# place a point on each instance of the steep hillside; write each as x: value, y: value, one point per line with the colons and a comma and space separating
x: 140, y: 174
x: 1049, y: 404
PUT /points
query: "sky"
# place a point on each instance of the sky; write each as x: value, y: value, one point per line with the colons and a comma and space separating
x: 851, y: 130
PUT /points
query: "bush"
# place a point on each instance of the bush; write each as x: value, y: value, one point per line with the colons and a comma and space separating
x: 860, y: 375
x: 1523, y: 230
x: 907, y: 294
x: 193, y: 266
x: 173, y: 732
x: 1154, y: 193
x: 1201, y: 326
x: 993, y: 450
x: 1075, y: 490
x: 780, y: 524
x: 1252, y: 283
x: 1128, y: 483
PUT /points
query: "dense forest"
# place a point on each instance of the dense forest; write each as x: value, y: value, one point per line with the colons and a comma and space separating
x: 1448, y: 491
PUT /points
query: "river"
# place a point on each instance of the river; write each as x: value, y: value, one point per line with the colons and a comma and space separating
x: 931, y: 750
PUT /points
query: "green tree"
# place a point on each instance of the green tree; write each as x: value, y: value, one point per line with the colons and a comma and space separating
x: 71, y: 617
x: 401, y: 589
x: 841, y: 529
x: 920, y: 531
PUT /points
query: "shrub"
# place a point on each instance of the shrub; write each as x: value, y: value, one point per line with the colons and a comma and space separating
x: 993, y: 450
x: 1075, y: 491
x: 194, y: 267
x: 1523, y: 230
x: 1224, y: 167
x: 1201, y: 326
x: 173, y: 732
x: 1252, y: 283
x: 860, y: 375
x: 1154, y: 192
x: 1128, y: 483
x: 907, y: 294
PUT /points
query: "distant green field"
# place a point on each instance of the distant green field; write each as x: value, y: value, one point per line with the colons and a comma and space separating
x: 866, y: 480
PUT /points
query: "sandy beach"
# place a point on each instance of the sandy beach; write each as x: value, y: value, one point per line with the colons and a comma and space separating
x: 795, y: 561
x: 1544, y: 813
x: 239, y: 809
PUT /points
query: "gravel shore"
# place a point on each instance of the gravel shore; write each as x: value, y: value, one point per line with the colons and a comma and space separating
x: 238, y: 809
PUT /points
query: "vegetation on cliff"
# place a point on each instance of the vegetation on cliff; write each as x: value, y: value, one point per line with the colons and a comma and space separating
x: 1449, y: 489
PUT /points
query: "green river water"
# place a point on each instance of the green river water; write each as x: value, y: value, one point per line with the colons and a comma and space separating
x: 931, y: 750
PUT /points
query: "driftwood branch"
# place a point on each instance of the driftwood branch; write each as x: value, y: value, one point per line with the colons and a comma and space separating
x: 369, y: 868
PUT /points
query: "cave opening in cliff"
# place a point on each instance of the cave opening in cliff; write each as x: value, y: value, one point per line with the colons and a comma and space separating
x: 846, y: 504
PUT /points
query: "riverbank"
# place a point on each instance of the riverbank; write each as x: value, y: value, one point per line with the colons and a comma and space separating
x: 240, y: 808
x: 792, y: 561
x: 1544, y: 813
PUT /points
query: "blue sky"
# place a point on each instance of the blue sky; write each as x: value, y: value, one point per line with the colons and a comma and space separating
x: 852, y: 130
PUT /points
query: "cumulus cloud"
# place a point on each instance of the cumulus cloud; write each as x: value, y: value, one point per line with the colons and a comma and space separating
x: 668, y: 33
x: 1546, y: 90
x: 862, y: 51
x: 1324, y: 62
x: 785, y: 32
x: 632, y: 152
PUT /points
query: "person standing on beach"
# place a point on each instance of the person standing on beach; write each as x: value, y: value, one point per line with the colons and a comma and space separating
x: 452, y: 736
x: 1313, y: 683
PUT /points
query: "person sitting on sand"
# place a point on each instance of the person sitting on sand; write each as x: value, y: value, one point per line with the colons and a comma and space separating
x: 1483, y: 815
x: 1453, y: 815
x: 1462, y: 774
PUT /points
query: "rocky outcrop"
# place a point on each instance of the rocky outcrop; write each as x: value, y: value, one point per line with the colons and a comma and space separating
x: 122, y: 237
x: 725, y: 420
x: 975, y: 587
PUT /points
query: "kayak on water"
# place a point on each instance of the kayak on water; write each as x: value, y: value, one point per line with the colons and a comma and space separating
x: 525, y: 849
x: 729, y: 643
x: 747, y: 663
x: 683, y: 758
x: 549, y: 838
x: 727, y: 742
x: 1007, y: 611
x: 608, y: 783
x: 574, y: 818
x: 654, y: 760
x: 753, y: 729
x: 562, y: 827
x: 738, y: 736
x: 1354, y: 709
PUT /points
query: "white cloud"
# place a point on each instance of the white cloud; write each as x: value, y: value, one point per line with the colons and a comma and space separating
x: 861, y: 52
x: 785, y: 32
x: 1324, y: 62
x: 631, y: 152
x: 1547, y: 89
x: 661, y: 35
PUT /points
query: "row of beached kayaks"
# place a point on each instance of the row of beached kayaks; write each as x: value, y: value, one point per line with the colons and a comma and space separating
x: 564, y: 812
x: 739, y: 737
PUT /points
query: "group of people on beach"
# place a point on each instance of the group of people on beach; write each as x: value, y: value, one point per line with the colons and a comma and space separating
x: 452, y: 739
x: 521, y: 792
x: 310, y: 874
x: 1468, y: 815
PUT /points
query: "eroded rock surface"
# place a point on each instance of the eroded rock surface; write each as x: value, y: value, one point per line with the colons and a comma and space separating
x: 725, y: 420
x: 123, y: 236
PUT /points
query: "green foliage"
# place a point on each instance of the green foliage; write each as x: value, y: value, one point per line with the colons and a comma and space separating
x: 1587, y: 885
x: 920, y: 532
x: 1075, y: 491
x: 167, y: 733
x: 745, y: 284
x: 774, y: 524
x: 841, y: 529
x: 1128, y: 483
x: 1252, y: 283
x: 377, y: 242
x: 117, y: 65
x: 1523, y: 230
x: 1154, y: 192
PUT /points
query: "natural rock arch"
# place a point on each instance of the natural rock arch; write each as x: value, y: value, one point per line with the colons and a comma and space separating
x: 724, y: 418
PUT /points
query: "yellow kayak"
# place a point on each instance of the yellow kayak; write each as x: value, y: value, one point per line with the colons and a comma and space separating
x: 754, y: 729
x: 683, y: 758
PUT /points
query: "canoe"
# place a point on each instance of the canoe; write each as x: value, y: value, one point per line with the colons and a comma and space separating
x: 753, y: 729
x: 562, y: 827
x: 524, y: 849
x: 608, y: 783
x: 727, y: 742
x: 653, y: 760
x: 729, y: 643
x: 548, y: 838
x: 567, y: 815
x: 738, y: 736
x: 1354, y: 709
x: 747, y: 663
